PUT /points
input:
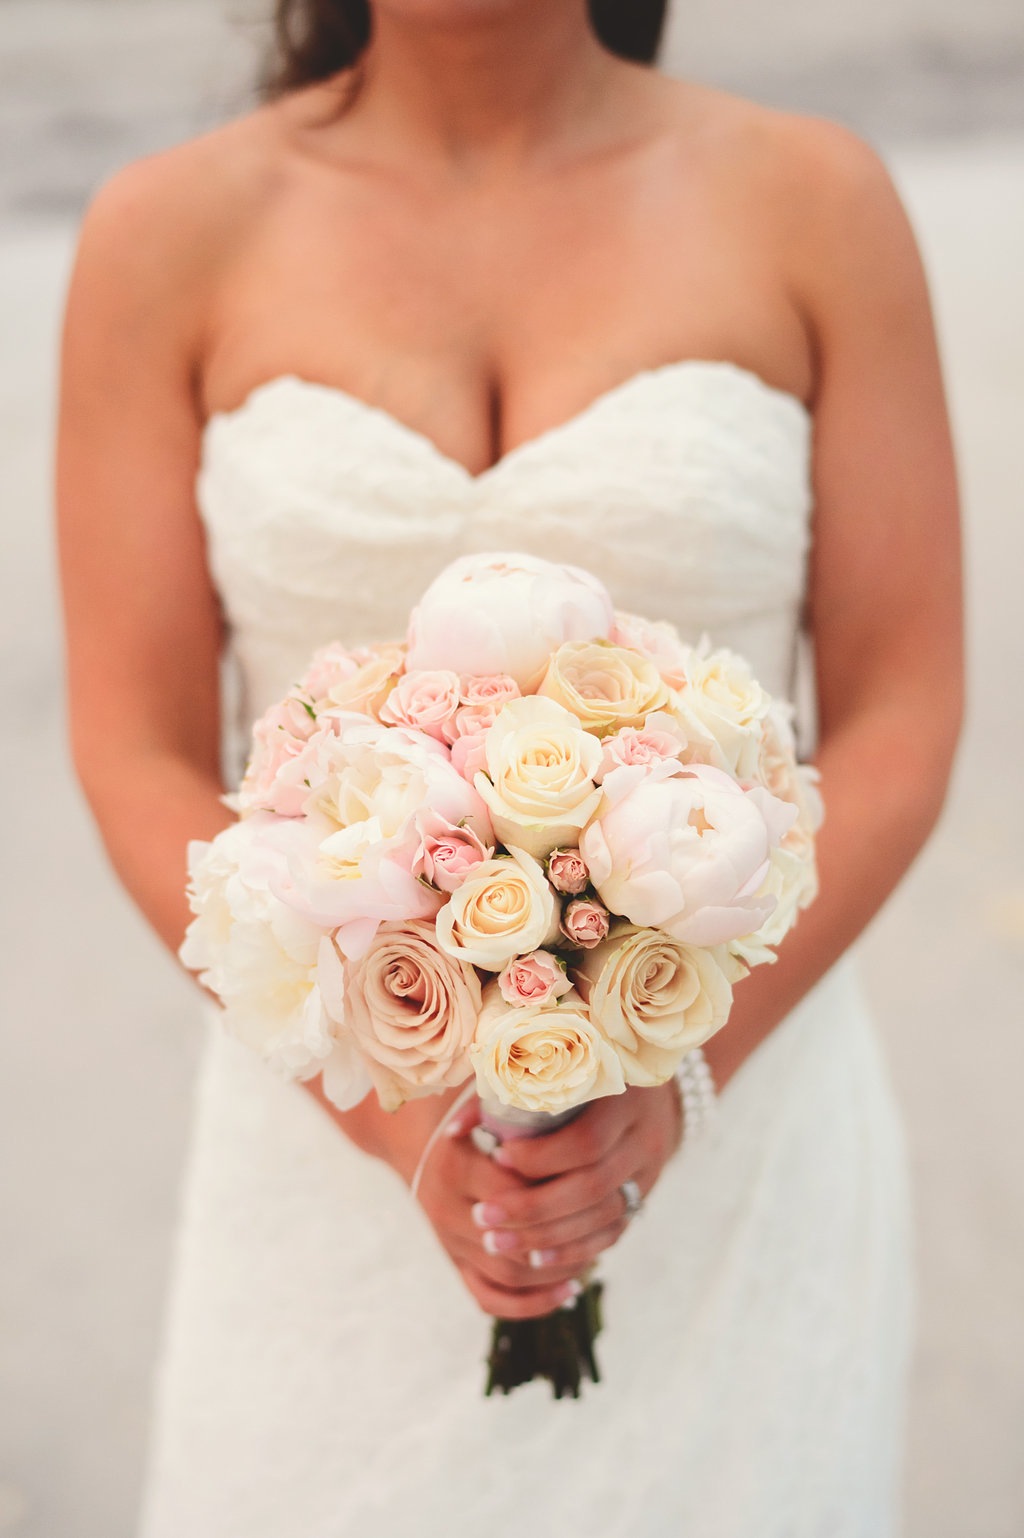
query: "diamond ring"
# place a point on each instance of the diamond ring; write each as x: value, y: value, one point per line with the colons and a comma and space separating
x: 631, y: 1196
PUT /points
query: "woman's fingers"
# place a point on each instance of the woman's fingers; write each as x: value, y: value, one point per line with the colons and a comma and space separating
x: 576, y: 1227
x: 517, y: 1303
x: 560, y: 1197
x: 584, y: 1141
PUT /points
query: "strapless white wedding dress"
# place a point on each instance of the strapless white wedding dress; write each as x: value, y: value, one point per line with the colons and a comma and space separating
x: 322, y: 1369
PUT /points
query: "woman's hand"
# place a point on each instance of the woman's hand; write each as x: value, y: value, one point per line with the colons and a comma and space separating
x: 531, y: 1218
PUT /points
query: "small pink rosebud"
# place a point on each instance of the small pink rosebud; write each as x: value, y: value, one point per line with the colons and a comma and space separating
x: 534, y: 979
x: 447, y: 852
x: 585, y: 922
x: 567, y: 871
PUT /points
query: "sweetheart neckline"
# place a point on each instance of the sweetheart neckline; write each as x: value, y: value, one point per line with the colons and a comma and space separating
x: 724, y: 367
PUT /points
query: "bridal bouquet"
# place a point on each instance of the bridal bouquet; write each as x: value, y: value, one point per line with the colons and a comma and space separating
x: 534, y: 846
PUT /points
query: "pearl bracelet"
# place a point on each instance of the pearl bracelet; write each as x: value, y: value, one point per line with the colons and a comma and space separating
x: 696, y: 1094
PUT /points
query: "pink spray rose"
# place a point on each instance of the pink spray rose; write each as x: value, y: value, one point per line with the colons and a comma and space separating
x: 425, y: 700
x: 447, y: 851
x: 650, y: 744
x: 584, y: 922
x: 534, y: 979
x: 279, y: 739
x: 567, y: 871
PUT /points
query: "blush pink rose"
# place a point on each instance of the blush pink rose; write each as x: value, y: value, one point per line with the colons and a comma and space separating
x: 534, y: 979
x: 567, y: 871
x: 426, y: 700
x: 447, y: 851
x: 585, y: 922
x: 494, y: 689
x: 646, y: 745
x: 279, y: 739
x: 657, y: 640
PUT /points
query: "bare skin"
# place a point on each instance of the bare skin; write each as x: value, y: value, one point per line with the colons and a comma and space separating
x: 506, y: 223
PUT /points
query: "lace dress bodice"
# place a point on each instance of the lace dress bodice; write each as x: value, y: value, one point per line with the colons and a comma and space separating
x: 685, y: 489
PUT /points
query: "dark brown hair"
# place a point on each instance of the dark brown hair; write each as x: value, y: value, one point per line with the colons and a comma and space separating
x: 316, y: 38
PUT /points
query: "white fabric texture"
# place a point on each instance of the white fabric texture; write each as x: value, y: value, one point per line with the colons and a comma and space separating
x: 322, y: 1369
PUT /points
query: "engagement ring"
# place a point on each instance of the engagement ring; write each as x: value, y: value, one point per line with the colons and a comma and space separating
x: 631, y: 1196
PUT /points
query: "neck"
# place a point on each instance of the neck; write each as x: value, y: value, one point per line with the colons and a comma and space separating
x: 474, y: 83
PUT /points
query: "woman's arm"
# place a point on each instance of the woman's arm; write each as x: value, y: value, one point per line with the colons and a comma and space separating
x: 142, y: 620
x: 885, y: 602
x: 885, y: 612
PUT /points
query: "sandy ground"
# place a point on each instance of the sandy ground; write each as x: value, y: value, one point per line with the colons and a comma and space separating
x: 100, y: 1034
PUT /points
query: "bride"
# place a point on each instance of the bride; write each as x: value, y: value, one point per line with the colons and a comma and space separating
x: 476, y: 276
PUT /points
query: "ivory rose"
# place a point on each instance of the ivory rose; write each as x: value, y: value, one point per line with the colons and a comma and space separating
x: 723, y: 695
x: 504, y: 908
x: 655, y: 997
x: 538, y: 782
x: 505, y: 613
x: 426, y: 701
x: 413, y: 1012
x: 534, y: 979
x: 546, y: 1057
x: 604, y: 686
x: 685, y: 851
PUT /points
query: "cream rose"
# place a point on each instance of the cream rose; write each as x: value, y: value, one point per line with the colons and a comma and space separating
x: 539, y: 777
x: 727, y: 701
x: 604, y: 686
x: 547, y: 1057
x: 373, y: 675
x: 413, y: 1011
x: 655, y: 997
x: 504, y: 908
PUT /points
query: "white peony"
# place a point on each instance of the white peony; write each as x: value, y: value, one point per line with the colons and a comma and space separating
x: 506, y: 613
x: 684, y: 850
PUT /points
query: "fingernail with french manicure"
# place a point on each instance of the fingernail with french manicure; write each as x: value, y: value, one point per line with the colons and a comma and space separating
x: 488, y: 1214
x: 540, y: 1258
x: 497, y: 1243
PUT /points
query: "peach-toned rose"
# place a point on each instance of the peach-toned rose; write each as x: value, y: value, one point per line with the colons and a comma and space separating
x: 655, y: 997
x: 426, y: 701
x: 567, y: 871
x: 539, y: 782
x: 534, y: 979
x: 604, y: 686
x: 504, y: 908
x: 413, y: 1011
x: 371, y: 680
x: 584, y: 922
x: 547, y: 1057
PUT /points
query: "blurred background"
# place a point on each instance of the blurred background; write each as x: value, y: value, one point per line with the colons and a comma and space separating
x: 100, y: 1032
